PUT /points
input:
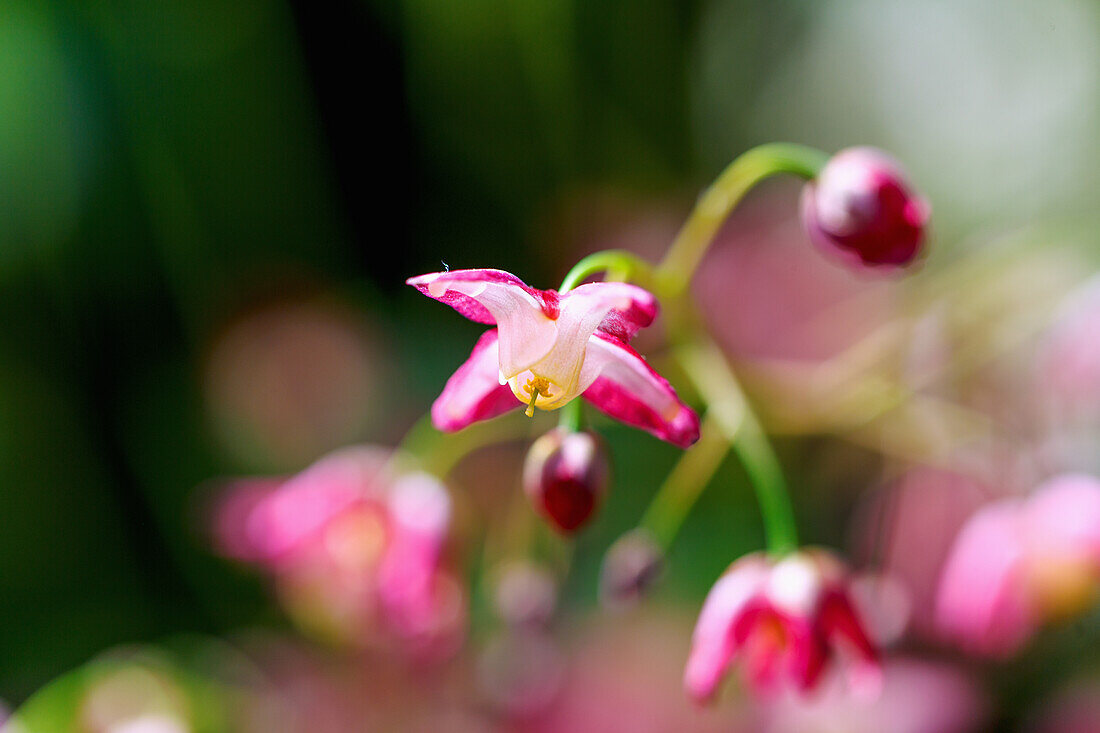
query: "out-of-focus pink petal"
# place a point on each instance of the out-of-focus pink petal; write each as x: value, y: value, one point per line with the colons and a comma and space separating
x: 474, y: 391
x: 303, y: 505
x: 232, y: 515
x: 713, y: 644
x: 839, y: 621
x: 420, y: 512
x: 526, y: 318
x: 626, y: 388
x: 981, y: 601
x: 1063, y: 517
x: 626, y: 308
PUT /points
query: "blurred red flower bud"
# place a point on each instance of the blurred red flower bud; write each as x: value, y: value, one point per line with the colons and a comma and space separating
x: 861, y: 207
x: 566, y: 476
x: 630, y: 569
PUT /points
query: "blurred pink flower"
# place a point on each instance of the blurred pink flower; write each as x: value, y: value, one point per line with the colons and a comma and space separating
x: 861, y: 208
x: 548, y: 349
x: 916, y: 697
x: 1019, y: 562
x: 786, y: 618
x: 354, y: 549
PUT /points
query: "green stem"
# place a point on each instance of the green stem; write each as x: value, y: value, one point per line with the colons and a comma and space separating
x: 716, y: 203
x: 572, y: 416
x: 619, y: 265
x: 708, y: 370
x: 766, y: 476
x: 438, y: 453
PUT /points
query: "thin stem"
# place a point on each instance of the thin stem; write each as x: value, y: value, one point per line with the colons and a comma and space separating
x: 707, y: 368
x: 684, y: 484
x: 572, y: 416
x: 766, y: 476
x: 438, y: 453
x: 619, y: 264
x: 716, y: 203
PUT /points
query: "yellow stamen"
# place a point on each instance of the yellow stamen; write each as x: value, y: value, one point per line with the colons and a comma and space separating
x: 535, y: 387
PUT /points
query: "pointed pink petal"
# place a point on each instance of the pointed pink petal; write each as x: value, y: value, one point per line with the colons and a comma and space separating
x: 839, y: 620
x: 981, y: 602
x: 474, y: 392
x: 625, y: 387
x: 713, y: 643
x: 526, y: 318
x: 625, y: 308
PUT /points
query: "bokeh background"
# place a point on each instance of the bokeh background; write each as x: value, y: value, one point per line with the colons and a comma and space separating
x: 208, y: 210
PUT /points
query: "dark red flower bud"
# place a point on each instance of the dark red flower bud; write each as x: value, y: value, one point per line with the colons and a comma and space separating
x: 861, y: 207
x: 566, y: 476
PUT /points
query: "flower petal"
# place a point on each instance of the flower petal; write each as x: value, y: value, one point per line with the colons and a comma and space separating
x: 420, y: 512
x: 621, y: 384
x: 626, y: 308
x: 291, y: 516
x: 474, y: 391
x: 838, y: 619
x: 981, y: 602
x: 713, y: 643
x: 623, y: 308
x: 525, y: 317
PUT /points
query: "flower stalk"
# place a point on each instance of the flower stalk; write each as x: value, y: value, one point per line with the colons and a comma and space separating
x: 716, y: 203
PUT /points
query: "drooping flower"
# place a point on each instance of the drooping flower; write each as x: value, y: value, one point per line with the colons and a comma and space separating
x: 565, y: 476
x: 1020, y: 562
x: 861, y: 207
x: 354, y: 549
x: 549, y: 348
x: 786, y: 619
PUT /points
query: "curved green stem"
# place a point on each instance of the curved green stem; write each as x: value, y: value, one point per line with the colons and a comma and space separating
x: 761, y: 464
x: 438, y: 453
x: 707, y: 368
x: 716, y: 203
x: 619, y: 265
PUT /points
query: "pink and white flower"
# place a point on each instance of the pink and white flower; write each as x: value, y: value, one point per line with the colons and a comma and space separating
x: 1020, y: 562
x: 786, y: 619
x: 549, y: 348
x: 354, y: 550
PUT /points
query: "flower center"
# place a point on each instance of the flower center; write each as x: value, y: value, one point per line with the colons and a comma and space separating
x: 535, y: 387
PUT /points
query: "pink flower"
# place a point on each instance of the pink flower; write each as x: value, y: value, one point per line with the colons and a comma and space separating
x: 861, y: 207
x: 1019, y: 562
x: 354, y: 549
x: 548, y: 349
x: 786, y: 619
